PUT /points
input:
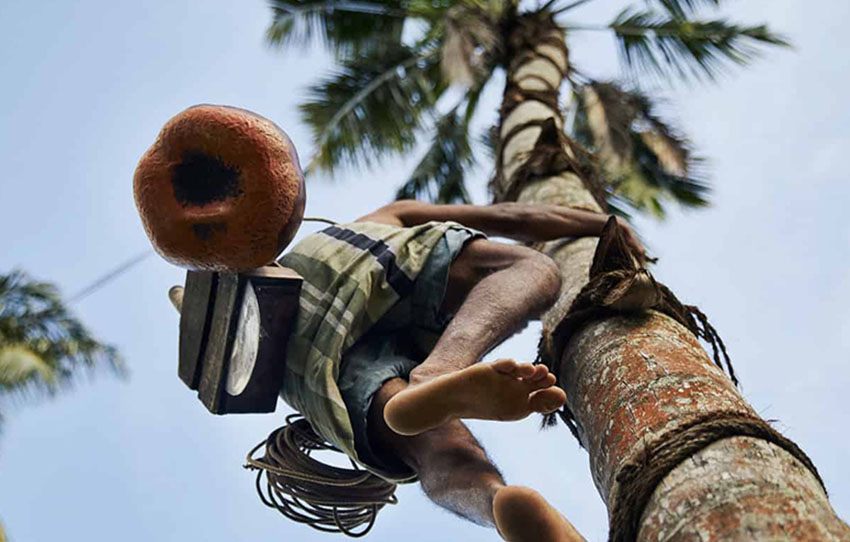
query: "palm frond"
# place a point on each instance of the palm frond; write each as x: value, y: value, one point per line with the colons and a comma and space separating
x: 552, y: 7
x: 42, y: 346
x: 349, y: 28
x: 672, y: 153
x: 645, y: 159
x: 610, y: 114
x: 439, y: 175
x: 470, y: 43
x: 683, y: 8
x: 20, y: 366
x: 372, y: 106
x: 667, y: 45
x: 671, y: 147
x: 647, y: 187
x: 488, y: 140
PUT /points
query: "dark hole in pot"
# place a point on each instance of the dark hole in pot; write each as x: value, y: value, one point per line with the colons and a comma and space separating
x: 200, y: 179
x: 206, y: 231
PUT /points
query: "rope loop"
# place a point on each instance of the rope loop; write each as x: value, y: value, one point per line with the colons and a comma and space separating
x: 639, y: 477
x: 327, y: 498
x: 620, y: 284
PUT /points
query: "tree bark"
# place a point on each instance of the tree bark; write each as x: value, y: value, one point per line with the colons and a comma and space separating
x: 633, y: 380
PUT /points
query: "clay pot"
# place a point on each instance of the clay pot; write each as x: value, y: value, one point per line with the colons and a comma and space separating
x: 220, y: 189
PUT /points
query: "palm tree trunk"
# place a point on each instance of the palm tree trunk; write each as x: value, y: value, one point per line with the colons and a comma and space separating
x: 635, y: 381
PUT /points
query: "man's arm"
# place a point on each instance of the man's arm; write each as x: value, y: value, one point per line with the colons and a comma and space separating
x: 520, y: 221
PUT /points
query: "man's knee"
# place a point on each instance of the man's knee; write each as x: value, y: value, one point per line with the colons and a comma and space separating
x: 481, y: 258
x: 544, y: 276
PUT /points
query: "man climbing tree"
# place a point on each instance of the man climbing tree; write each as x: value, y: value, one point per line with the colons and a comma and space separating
x: 393, y: 314
x: 409, y: 350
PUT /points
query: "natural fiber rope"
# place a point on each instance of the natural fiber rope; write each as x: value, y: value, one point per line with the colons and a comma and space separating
x: 619, y: 284
x: 638, y: 478
x: 327, y: 498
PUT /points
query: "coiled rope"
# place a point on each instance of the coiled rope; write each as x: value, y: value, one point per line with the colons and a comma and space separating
x: 327, y: 498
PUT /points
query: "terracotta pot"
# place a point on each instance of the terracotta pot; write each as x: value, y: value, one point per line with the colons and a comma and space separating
x: 220, y: 189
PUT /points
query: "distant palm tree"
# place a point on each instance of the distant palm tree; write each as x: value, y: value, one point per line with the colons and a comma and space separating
x: 398, y: 58
x: 632, y: 381
x: 43, y: 348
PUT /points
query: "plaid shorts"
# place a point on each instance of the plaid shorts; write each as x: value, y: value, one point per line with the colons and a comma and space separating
x: 397, y: 343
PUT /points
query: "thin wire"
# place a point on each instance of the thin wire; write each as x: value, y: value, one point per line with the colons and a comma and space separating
x: 110, y: 276
x: 137, y: 259
x: 319, y: 219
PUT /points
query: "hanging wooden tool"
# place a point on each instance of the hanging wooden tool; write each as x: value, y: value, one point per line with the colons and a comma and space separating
x: 234, y: 329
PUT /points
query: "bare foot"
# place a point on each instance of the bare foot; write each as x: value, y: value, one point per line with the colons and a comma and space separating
x: 523, y: 515
x: 503, y: 390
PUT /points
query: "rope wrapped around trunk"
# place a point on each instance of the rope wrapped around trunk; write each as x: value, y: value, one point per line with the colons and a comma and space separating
x: 327, y: 498
x: 639, y: 477
x: 619, y: 284
x: 553, y: 153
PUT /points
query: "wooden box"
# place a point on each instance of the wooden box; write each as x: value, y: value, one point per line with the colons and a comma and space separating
x: 234, y: 328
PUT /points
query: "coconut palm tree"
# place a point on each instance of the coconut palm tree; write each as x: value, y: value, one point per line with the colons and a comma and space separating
x: 43, y: 348
x: 387, y: 92
x: 635, y: 382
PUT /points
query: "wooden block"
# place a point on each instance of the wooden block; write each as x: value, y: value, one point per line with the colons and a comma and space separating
x: 257, y: 358
x: 195, y: 316
x: 234, y: 329
x: 222, y: 326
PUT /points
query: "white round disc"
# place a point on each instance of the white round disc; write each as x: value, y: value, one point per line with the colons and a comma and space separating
x: 246, y: 345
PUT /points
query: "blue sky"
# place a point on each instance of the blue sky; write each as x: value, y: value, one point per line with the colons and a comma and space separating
x: 88, y: 84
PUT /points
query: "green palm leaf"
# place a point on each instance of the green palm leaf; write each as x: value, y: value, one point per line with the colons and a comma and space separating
x: 669, y: 45
x: 646, y: 186
x: 682, y: 8
x: 385, y: 91
x: 372, y: 106
x: 42, y: 346
x: 646, y: 160
x: 439, y: 175
x: 470, y: 44
x: 609, y: 113
x: 19, y: 365
x: 348, y: 28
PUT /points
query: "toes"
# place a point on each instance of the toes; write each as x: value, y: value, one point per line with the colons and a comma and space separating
x: 540, y: 371
x: 545, y: 381
x: 505, y: 366
x: 547, y: 400
x: 525, y: 371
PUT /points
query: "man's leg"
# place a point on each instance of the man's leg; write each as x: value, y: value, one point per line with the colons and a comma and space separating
x: 495, y: 289
x: 456, y: 474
